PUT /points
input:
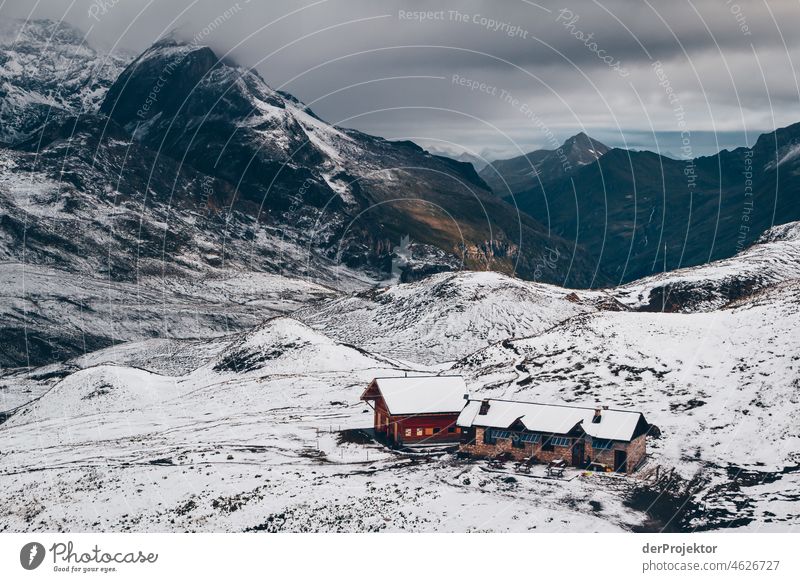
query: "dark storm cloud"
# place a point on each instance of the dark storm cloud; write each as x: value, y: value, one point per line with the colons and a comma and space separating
x: 554, y: 68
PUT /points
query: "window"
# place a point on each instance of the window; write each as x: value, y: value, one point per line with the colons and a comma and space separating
x: 428, y: 431
x: 529, y: 438
x: 498, y: 433
x: 408, y: 432
x: 549, y: 444
x: 602, y: 444
x: 419, y: 432
x: 436, y: 429
x: 451, y: 429
x: 517, y: 442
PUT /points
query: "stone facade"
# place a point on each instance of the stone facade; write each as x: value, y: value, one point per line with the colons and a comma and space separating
x: 478, y: 448
x: 636, y: 449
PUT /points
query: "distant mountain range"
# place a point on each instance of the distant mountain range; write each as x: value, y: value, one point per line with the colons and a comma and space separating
x: 200, y: 136
x: 172, y: 168
x: 129, y: 191
x: 522, y: 173
x: 478, y: 162
x: 200, y: 276
x: 639, y: 213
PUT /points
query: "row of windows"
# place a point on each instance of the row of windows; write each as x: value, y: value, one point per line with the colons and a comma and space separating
x: 491, y: 435
x: 496, y: 433
x: 604, y: 444
x: 429, y: 431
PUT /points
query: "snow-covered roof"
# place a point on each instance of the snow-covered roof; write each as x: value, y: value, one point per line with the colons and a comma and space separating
x: 423, y: 394
x: 552, y: 418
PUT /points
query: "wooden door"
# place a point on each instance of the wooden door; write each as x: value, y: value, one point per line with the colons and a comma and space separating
x: 621, y: 461
x: 577, y: 453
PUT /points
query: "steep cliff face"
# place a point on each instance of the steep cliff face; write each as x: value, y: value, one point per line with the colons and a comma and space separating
x: 184, y: 170
x: 350, y: 191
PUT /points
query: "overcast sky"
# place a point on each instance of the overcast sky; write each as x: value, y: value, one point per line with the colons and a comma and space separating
x: 548, y: 69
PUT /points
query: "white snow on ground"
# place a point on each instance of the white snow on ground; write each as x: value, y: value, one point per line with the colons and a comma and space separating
x: 172, y: 308
x: 242, y: 432
x: 447, y: 316
x: 723, y: 387
x: 711, y: 381
x: 773, y: 259
x: 124, y: 449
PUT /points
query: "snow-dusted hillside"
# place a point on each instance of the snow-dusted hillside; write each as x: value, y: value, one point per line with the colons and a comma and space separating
x: 242, y: 432
x: 773, y: 259
x: 350, y: 196
x: 723, y: 388
x: 51, y: 314
x: 447, y: 316
x: 48, y: 70
x: 197, y: 265
x: 112, y: 447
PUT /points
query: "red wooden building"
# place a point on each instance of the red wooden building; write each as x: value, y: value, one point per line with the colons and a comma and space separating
x: 417, y: 410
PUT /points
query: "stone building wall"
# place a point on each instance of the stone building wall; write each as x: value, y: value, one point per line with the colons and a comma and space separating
x: 636, y: 450
x: 480, y: 449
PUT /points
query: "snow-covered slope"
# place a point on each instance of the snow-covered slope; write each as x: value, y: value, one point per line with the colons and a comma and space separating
x: 286, y: 346
x: 47, y: 70
x: 352, y: 196
x: 52, y: 315
x: 773, y: 259
x: 723, y: 388
x: 102, y: 240
x: 242, y: 433
x: 447, y: 316
x: 124, y: 449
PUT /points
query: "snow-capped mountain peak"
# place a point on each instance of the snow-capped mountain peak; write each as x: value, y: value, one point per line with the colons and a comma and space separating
x: 47, y: 69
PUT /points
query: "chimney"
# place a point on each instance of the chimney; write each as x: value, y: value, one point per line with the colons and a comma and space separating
x: 484, y: 407
x: 598, y: 415
x: 466, y: 396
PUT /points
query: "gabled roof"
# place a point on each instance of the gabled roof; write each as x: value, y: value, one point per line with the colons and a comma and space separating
x: 420, y: 394
x: 618, y: 425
